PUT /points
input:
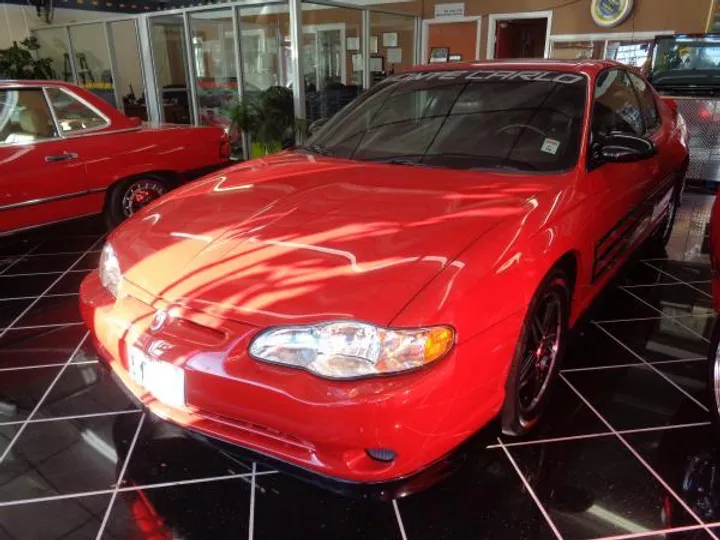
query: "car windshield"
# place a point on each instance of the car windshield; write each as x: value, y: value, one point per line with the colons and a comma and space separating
x: 686, y: 61
x: 463, y: 119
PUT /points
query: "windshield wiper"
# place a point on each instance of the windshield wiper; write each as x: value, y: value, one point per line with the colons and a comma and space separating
x: 315, y: 149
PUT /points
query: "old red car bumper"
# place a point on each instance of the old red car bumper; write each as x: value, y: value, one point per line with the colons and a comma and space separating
x: 324, y: 426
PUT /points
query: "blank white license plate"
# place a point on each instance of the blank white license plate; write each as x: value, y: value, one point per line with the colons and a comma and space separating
x: 165, y: 381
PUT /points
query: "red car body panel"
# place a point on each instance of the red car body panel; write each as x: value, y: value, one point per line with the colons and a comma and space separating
x: 714, y: 242
x: 298, y: 238
x: 34, y: 192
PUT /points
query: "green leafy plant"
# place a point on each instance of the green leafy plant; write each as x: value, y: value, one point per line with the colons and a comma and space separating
x: 268, y: 117
x: 19, y: 62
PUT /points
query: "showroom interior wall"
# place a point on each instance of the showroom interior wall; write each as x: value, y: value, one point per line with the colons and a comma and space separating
x: 18, y: 21
x: 192, y: 63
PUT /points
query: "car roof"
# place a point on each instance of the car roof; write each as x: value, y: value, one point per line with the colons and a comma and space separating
x: 580, y: 65
x: 11, y: 83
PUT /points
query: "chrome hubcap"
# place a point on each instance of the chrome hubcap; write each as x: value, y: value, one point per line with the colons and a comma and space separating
x: 140, y: 194
x: 541, y: 351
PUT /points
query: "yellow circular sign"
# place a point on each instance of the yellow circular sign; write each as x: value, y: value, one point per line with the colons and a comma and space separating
x: 609, y: 13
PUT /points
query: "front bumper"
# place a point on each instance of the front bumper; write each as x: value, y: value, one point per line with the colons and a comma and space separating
x: 314, y: 424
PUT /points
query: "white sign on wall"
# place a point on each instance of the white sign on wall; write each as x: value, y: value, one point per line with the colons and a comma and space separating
x: 450, y: 10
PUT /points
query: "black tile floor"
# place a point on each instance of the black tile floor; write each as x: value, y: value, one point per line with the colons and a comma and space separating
x: 626, y: 451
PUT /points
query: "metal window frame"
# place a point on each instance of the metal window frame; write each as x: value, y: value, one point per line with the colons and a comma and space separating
x: 239, y: 70
x: 365, y: 46
x: 296, y: 58
x: 71, y: 54
x: 190, y: 72
x: 153, y: 101
x: 113, y: 66
x: 143, y: 33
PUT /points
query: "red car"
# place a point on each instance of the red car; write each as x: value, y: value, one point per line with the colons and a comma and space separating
x: 714, y: 354
x: 361, y: 305
x: 65, y: 153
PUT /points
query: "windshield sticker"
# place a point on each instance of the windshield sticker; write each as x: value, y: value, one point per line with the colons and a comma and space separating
x: 485, y: 75
x: 550, y: 146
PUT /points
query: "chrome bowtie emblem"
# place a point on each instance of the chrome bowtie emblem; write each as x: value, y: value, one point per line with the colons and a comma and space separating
x: 159, y: 320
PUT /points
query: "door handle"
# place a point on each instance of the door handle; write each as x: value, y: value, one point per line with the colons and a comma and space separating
x: 61, y: 157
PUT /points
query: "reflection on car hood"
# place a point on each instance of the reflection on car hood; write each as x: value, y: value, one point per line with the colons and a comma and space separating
x: 296, y: 238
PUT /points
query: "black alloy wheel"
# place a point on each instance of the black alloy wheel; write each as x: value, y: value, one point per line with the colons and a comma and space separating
x: 538, y: 355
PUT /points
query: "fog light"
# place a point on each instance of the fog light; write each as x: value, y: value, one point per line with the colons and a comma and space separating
x: 381, y: 454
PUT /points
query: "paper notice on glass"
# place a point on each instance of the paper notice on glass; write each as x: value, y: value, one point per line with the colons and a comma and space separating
x: 390, y: 39
x: 394, y: 55
x: 357, y: 62
x: 353, y: 44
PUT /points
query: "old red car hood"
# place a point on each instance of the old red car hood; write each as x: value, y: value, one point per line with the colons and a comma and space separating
x: 298, y: 238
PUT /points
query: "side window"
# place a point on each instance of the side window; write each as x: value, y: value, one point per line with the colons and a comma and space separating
x: 72, y: 115
x: 616, y: 107
x: 24, y: 116
x: 647, y: 102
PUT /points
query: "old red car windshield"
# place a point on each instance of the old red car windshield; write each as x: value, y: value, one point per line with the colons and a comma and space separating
x: 465, y: 119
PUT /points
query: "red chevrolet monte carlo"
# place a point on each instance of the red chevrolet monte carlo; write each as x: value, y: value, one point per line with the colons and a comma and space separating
x: 65, y: 153
x: 361, y: 305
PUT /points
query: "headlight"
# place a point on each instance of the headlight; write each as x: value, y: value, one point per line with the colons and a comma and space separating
x: 348, y: 349
x: 110, y: 273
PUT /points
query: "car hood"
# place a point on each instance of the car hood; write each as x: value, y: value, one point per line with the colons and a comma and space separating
x: 298, y: 238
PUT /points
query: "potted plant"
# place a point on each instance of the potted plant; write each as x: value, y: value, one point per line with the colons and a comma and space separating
x: 268, y: 117
x: 18, y: 62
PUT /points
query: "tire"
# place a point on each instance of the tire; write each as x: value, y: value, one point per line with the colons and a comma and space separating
x: 664, y: 231
x: 123, y: 200
x: 536, y: 363
x: 714, y: 374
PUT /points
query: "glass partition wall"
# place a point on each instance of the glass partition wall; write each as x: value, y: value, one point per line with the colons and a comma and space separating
x: 193, y: 65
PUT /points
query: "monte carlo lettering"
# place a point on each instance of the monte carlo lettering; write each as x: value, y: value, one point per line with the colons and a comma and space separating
x: 489, y: 75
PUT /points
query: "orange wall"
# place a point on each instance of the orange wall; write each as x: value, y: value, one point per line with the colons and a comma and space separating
x: 687, y: 16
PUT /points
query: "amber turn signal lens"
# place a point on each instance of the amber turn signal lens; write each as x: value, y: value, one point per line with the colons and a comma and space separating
x: 438, y: 342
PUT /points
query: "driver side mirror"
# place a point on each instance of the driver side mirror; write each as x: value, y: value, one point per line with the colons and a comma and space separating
x: 622, y: 148
x: 135, y: 121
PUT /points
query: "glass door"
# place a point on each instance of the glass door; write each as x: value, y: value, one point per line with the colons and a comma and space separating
x: 92, y: 60
x: 216, y: 84
x: 171, y: 70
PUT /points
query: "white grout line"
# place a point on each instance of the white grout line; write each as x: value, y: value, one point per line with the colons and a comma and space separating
x: 42, y: 366
x: 52, y: 498
x: 640, y: 319
x: 398, y: 517
x: 656, y: 370
x: 596, y: 435
x: 41, y: 400
x: 193, y: 481
x: 53, y: 273
x: 646, y: 285
x: 124, y: 489
x: 674, y: 319
x: 680, y: 280
x: 53, y: 253
x: 120, y: 477
x: 654, y: 534
x: 634, y: 364
x: 38, y: 326
x: 709, y: 314
x: 20, y: 258
x: 32, y: 304
x: 251, y: 525
x: 30, y: 274
x: 639, y: 457
x: 56, y: 295
x: 530, y: 490
x: 72, y: 417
